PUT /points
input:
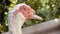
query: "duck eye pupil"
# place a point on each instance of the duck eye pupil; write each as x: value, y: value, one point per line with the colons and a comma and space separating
x: 24, y: 8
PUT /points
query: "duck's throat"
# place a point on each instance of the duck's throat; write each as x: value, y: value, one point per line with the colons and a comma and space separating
x: 15, y: 24
x: 17, y: 31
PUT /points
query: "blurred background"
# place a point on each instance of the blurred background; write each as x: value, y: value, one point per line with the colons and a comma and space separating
x: 47, y: 9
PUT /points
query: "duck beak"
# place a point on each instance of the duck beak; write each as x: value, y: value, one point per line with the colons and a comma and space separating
x: 36, y: 17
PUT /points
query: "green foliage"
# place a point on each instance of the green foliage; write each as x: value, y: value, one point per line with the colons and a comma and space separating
x: 47, y: 9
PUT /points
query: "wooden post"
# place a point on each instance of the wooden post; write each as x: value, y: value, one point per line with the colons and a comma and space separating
x: 40, y: 28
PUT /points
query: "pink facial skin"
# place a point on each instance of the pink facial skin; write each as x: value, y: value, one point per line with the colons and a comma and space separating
x: 26, y: 11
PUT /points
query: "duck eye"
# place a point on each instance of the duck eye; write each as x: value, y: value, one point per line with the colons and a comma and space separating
x: 24, y: 8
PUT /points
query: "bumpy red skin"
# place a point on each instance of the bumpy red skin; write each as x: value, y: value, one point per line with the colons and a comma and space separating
x: 26, y: 11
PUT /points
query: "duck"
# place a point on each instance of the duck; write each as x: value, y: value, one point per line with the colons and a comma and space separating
x: 17, y: 17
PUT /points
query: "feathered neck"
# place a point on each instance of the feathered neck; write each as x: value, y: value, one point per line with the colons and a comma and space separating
x: 15, y: 23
